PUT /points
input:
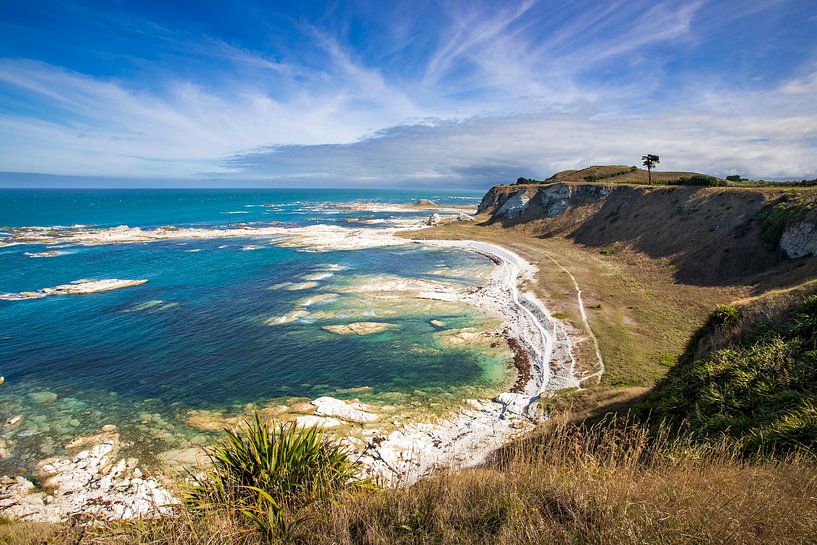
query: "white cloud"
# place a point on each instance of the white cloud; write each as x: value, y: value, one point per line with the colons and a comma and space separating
x: 501, y: 89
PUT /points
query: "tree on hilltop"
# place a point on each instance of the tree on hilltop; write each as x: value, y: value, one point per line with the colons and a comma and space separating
x: 649, y: 162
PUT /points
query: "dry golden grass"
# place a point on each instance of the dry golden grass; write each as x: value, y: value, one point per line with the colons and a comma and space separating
x: 608, y: 483
x: 600, y: 485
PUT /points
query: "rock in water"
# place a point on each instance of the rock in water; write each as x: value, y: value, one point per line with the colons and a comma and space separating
x: 351, y: 412
x: 425, y: 202
x: 358, y: 328
x: 41, y: 398
x: 434, y: 219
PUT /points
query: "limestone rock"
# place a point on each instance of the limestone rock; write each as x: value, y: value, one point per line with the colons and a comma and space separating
x: 93, y: 484
x: 351, y: 412
x: 311, y: 420
x: 359, y: 328
x: 514, y: 206
x: 799, y: 240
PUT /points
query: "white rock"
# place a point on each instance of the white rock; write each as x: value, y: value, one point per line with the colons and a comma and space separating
x: 516, y: 403
x: 514, y: 206
x: 92, y: 483
x: 310, y: 420
x: 351, y: 412
x: 799, y: 240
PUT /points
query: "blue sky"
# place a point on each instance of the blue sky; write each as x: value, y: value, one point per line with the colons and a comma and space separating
x: 445, y: 94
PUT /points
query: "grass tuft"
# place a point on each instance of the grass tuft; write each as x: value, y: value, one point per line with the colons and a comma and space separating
x: 758, y: 389
x: 269, y: 474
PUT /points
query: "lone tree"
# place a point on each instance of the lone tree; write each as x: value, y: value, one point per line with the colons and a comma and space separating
x: 649, y: 162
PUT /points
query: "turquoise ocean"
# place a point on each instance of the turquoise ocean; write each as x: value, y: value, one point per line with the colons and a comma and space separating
x: 196, y: 336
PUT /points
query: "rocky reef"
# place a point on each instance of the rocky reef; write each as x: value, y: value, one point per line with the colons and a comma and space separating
x: 96, y: 483
x: 77, y: 287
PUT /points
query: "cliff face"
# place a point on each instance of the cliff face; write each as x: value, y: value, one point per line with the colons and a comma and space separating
x: 712, y: 235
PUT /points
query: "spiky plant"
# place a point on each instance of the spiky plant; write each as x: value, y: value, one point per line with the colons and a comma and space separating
x: 270, y: 473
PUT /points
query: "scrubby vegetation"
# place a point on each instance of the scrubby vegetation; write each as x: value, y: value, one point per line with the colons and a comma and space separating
x: 612, y: 482
x: 522, y: 180
x: 779, y: 214
x: 754, y: 382
x: 699, y: 180
x: 270, y: 474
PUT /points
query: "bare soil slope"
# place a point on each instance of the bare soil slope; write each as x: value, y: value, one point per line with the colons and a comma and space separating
x: 711, y: 236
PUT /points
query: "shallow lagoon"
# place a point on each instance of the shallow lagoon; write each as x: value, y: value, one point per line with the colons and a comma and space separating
x: 198, y: 335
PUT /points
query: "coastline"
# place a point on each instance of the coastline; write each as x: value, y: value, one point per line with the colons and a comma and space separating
x: 400, y: 457
x: 470, y: 436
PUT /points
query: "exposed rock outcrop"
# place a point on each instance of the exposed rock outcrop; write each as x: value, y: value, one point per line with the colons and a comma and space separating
x: 93, y: 484
x: 351, y: 412
x: 359, y: 328
x: 77, y: 287
x: 799, y: 240
x: 711, y: 235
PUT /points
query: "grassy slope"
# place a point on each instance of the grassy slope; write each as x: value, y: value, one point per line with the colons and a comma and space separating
x: 617, y: 174
x: 627, y: 174
x: 750, y: 373
x: 566, y: 485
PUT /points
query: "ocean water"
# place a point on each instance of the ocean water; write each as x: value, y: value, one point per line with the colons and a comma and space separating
x: 201, y: 334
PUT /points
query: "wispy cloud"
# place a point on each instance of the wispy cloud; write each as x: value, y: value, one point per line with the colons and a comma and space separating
x: 458, y: 92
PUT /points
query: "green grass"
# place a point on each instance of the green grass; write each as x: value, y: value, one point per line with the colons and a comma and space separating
x: 760, y: 389
x: 271, y: 474
x: 779, y: 214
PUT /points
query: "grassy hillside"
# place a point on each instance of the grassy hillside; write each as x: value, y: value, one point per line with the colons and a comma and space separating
x: 618, y: 174
x: 750, y: 374
x: 625, y: 174
x: 712, y: 236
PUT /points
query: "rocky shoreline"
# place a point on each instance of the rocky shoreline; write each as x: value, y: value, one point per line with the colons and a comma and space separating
x: 471, y: 435
x: 98, y: 483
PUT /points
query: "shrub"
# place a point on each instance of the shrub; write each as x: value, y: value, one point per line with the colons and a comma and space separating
x: 759, y: 389
x: 779, y: 214
x: 725, y: 315
x: 735, y: 178
x: 701, y: 180
x: 270, y: 474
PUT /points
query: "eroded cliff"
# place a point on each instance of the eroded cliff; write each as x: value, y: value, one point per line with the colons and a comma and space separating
x: 711, y: 235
